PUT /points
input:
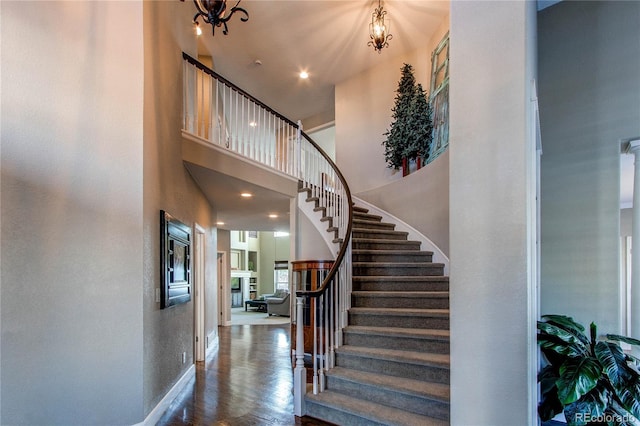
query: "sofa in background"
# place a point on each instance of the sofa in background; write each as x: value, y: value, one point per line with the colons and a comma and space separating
x: 278, y: 304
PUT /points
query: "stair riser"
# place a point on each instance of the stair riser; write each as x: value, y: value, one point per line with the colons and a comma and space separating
x: 373, y: 225
x: 400, y: 302
x: 401, y: 285
x: 402, y: 321
x: 435, y: 346
x: 337, y: 417
x: 393, y: 257
x: 427, y: 373
x: 390, y: 235
x: 403, y: 245
x: 391, y: 270
x: 390, y: 397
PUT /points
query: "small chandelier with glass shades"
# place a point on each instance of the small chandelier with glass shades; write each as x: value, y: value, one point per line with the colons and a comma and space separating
x: 379, y: 29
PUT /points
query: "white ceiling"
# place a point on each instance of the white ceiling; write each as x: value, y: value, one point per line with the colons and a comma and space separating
x: 326, y: 38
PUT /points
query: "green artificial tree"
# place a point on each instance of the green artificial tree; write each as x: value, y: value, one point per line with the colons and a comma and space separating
x: 410, y: 134
x: 400, y: 131
x: 419, y: 142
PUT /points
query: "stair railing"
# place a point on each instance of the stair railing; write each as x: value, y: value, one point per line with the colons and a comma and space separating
x: 218, y: 112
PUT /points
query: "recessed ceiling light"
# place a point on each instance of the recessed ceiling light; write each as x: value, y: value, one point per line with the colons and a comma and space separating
x: 246, y: 195
x: 273, y: 216
x: 304, y: 75
x: 219, y: 223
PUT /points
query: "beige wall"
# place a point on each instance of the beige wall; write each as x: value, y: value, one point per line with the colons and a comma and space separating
x: 72, y: 232
x: 493, y: 299
x: 168, y: 186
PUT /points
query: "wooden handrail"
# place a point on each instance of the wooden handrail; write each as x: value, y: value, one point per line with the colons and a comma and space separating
x: 347, y: 235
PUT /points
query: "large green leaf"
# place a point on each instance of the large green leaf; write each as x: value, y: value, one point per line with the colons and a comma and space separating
x: 629, y: 340
x: 561, y: 341
x: 549, y: 405
x: 613, y: 361
x: 592, y: 405
x: 629, y: 395
x: 568, y: 324
x: 578, y: 376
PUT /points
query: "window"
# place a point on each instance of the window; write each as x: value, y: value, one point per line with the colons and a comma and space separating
x: 439, y: 98
x: 281, y: 275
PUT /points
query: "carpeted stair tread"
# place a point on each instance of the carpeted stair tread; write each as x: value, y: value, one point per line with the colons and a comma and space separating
x: 402, y: 311
x: 397, y: 331
x: 371, y: 413
x: 397, y: 294
x: 437, y: 391
x: 384, y: 251
x: 360, y: 209
x: 414, y: 278
x: 407, y: 357
x: 384, y: 241
x: 367, y: 216
x: 397, y: 264
x: 383, y: 234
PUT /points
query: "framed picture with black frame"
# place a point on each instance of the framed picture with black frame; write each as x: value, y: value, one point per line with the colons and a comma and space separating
x: 175, y: 261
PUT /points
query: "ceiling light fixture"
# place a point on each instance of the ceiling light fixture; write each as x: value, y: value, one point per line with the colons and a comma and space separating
x: 219, y: 223
x: 273, y: 216
x: 198, y: 29
x: 214, y: 12
x: 246, y: 195
x: 379, y: 29
x: 304, y: 75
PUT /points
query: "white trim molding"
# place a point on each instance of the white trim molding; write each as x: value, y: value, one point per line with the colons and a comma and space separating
x: 156, y: 414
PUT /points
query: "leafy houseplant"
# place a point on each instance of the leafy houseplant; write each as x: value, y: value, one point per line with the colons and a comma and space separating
x: 593, y: 382
x: 410, y: 134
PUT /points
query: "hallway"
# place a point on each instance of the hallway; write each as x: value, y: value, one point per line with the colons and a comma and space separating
x: 247, y: 382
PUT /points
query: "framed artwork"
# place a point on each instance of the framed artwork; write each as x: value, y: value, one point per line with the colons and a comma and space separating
x: 175, y: 261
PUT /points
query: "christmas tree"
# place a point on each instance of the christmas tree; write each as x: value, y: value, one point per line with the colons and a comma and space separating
x: 411, y: 129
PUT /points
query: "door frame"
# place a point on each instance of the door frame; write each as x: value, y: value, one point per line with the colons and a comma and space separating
x: 224, y: 292
x: 199, y: 308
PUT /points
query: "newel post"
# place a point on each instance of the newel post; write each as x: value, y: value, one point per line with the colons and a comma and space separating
x: 299, y: 372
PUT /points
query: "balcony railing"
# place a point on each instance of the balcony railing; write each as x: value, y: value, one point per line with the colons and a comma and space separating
x: 220, y: 113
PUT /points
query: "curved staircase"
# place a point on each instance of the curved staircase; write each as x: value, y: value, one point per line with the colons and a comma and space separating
x: 393, y: 368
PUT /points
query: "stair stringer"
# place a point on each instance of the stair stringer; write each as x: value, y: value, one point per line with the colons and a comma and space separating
x: 307, y: 208
x: 414, y: 234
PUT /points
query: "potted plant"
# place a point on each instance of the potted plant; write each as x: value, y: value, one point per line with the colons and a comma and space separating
x: 410, y: 134
x: 591, y: 381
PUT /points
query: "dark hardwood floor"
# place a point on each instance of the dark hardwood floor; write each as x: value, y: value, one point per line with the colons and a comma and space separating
x: 247, y: 382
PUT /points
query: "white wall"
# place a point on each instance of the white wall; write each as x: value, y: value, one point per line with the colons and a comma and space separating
x: 589, y: 100
x: 72, y: 225
x: 492, y: 328
x: 363, y: 115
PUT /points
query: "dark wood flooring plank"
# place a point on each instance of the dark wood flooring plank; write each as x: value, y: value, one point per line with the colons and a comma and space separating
x: 248, y: 382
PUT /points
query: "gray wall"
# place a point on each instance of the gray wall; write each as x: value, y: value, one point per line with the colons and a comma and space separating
x: 589, y: 91
x: 71, y: 213
x: 271, y: 249
x: 491, y: 149
x: 168, y: 186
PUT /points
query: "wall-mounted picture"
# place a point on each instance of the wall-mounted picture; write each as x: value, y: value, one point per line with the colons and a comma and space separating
x: 175, y: 261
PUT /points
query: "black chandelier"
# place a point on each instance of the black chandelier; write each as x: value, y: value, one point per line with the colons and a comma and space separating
x: 214, y: 12
x: 379, y: 29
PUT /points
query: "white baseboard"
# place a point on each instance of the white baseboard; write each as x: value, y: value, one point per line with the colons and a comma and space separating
x: 155, y: 414
x: 214, y: 343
